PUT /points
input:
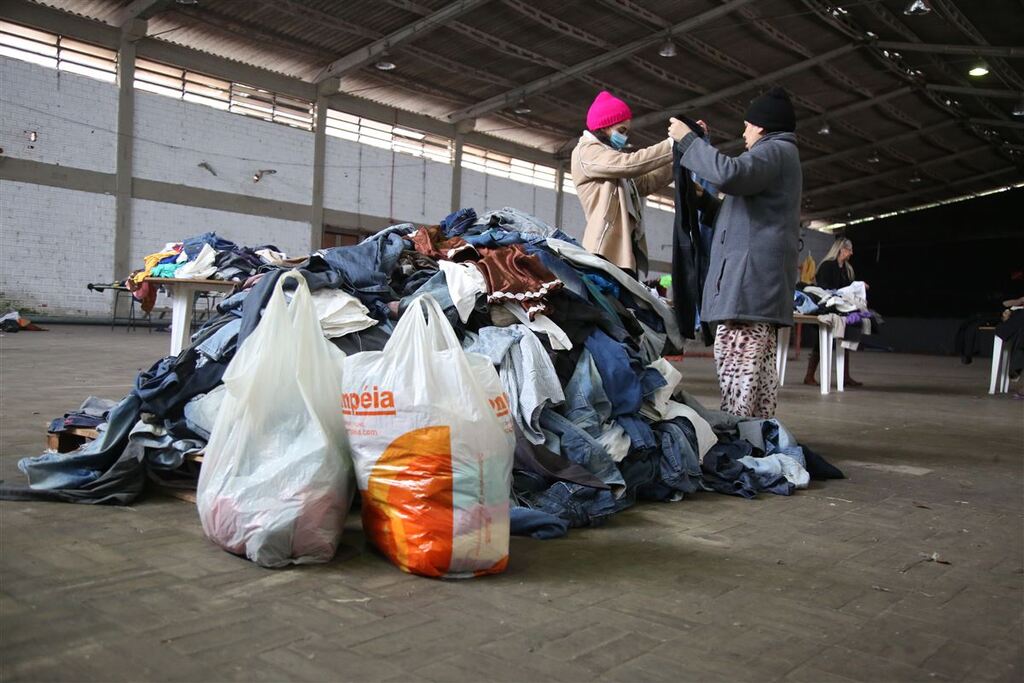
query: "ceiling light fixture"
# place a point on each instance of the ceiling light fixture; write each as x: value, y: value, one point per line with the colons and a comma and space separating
x: 385, y: 63
x: 258, y: 175
x: 916, y: 178
x: 1019, y: 109
x: 873, y: 159
x: 917, y: 8
x: 824, y: 130
x: 522, y: 107
x: 979, y: 69
x: 668, y: 49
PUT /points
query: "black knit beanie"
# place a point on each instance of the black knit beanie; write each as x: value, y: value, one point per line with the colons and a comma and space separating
x: 772, y: 111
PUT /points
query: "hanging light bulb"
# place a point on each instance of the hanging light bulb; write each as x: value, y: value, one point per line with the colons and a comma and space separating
x: 522, y: 107
x: 873, y: 159
x: 668, y: 49
x: 1019, y: 109
x: 385, y: 63
x: 824, y: 130
x: 917, y: 7
x: 916, y: 178
x: 979, y: 69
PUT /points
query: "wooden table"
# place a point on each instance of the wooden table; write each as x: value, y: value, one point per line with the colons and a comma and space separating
x: 182, y: 293
x: 825, y: 342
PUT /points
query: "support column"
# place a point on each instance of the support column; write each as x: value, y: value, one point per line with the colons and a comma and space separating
x: 559, y: 194
x: 130, y: 32
x: 461, y: 128
x: 457, y: 172
x: 316, y: 217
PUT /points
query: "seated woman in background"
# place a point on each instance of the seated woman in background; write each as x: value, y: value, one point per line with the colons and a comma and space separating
x: 834, y: 272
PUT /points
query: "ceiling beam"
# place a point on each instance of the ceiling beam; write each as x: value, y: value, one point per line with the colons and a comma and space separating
x: 842, y: 210
x: 997, y: 122
x: 977, y: 92
x: 723, y: 93
x: 1005, y: 72
x: 610, y: 57
x: 809, y: 126
x: 896, y: 172
x: 139, y: 9
x: 855, y: 151
x: 416, y: 29
x: 935, y: 48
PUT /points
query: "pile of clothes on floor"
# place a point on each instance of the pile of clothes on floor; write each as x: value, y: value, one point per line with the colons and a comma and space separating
x: 601, y: 418
x: 203, y: 257
x: 845, y: 310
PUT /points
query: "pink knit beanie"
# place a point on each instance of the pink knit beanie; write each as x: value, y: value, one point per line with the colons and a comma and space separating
x: 607, y: 110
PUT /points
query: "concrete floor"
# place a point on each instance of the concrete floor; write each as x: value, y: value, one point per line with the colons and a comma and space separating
x: 824, y: 586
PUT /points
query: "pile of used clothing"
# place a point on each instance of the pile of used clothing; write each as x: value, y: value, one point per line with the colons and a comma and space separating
x: 601, y: 418
x: 845, y: 310
x: 202, y: 257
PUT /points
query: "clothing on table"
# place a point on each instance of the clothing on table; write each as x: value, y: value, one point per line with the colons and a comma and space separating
x: 152, y: 261
x: 514, y: 220
x: 199, y: 267
x: 194, y: 245
x: 557, y: 337
x: 753, y: 268
x: 808, y: 269
x: 745, y: 359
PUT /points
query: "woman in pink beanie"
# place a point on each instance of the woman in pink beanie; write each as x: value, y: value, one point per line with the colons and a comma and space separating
x: 611, y: 183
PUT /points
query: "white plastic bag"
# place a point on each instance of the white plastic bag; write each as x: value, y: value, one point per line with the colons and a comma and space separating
x: 432, y: 441
x: 275, y: 484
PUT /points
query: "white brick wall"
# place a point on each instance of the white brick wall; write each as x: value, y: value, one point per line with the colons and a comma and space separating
x: 74, y: 117
x: 156, y: 223
x: 173, y: 137
x: 53, y: 242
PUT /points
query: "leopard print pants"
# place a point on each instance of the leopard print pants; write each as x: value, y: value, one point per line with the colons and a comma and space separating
x: 745, y: 357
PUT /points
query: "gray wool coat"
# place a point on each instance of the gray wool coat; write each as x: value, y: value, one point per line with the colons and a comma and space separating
x: 752, y: 272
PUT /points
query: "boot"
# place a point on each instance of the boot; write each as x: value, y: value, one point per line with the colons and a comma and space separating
x: 812, y: 366
x: 849, y: 381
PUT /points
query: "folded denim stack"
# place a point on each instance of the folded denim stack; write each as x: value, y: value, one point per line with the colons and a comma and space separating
x: 602, y: 419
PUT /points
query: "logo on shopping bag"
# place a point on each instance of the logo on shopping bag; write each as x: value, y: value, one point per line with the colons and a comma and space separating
x: 368, y: 402
x: 499, y: 405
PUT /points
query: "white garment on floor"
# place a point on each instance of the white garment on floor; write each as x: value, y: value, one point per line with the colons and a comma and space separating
x: 541, y: 323
x: 465, y: 284
x: 199, y: 268
x: 340, y: 313
x: 582, y: 257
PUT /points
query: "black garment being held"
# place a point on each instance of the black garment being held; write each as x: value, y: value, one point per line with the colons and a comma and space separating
x: 689, y: 262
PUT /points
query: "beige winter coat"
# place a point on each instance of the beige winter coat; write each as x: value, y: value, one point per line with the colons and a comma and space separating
x: 611, y: 186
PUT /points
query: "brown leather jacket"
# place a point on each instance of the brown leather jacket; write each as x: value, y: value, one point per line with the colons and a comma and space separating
x: 605, y: 180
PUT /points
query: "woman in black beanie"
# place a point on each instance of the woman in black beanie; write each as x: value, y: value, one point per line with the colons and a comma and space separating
x: 752, y: 274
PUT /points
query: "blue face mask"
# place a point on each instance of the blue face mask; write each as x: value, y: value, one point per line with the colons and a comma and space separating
x: 618, y: 140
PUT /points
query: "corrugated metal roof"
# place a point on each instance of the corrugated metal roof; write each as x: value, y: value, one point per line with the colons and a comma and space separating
x: 504, y: 44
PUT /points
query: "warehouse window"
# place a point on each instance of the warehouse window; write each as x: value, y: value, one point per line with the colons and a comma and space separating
x: 503, y: 166
x: 57, y: 52
x: 386, y: 136
x: 237, y: 98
